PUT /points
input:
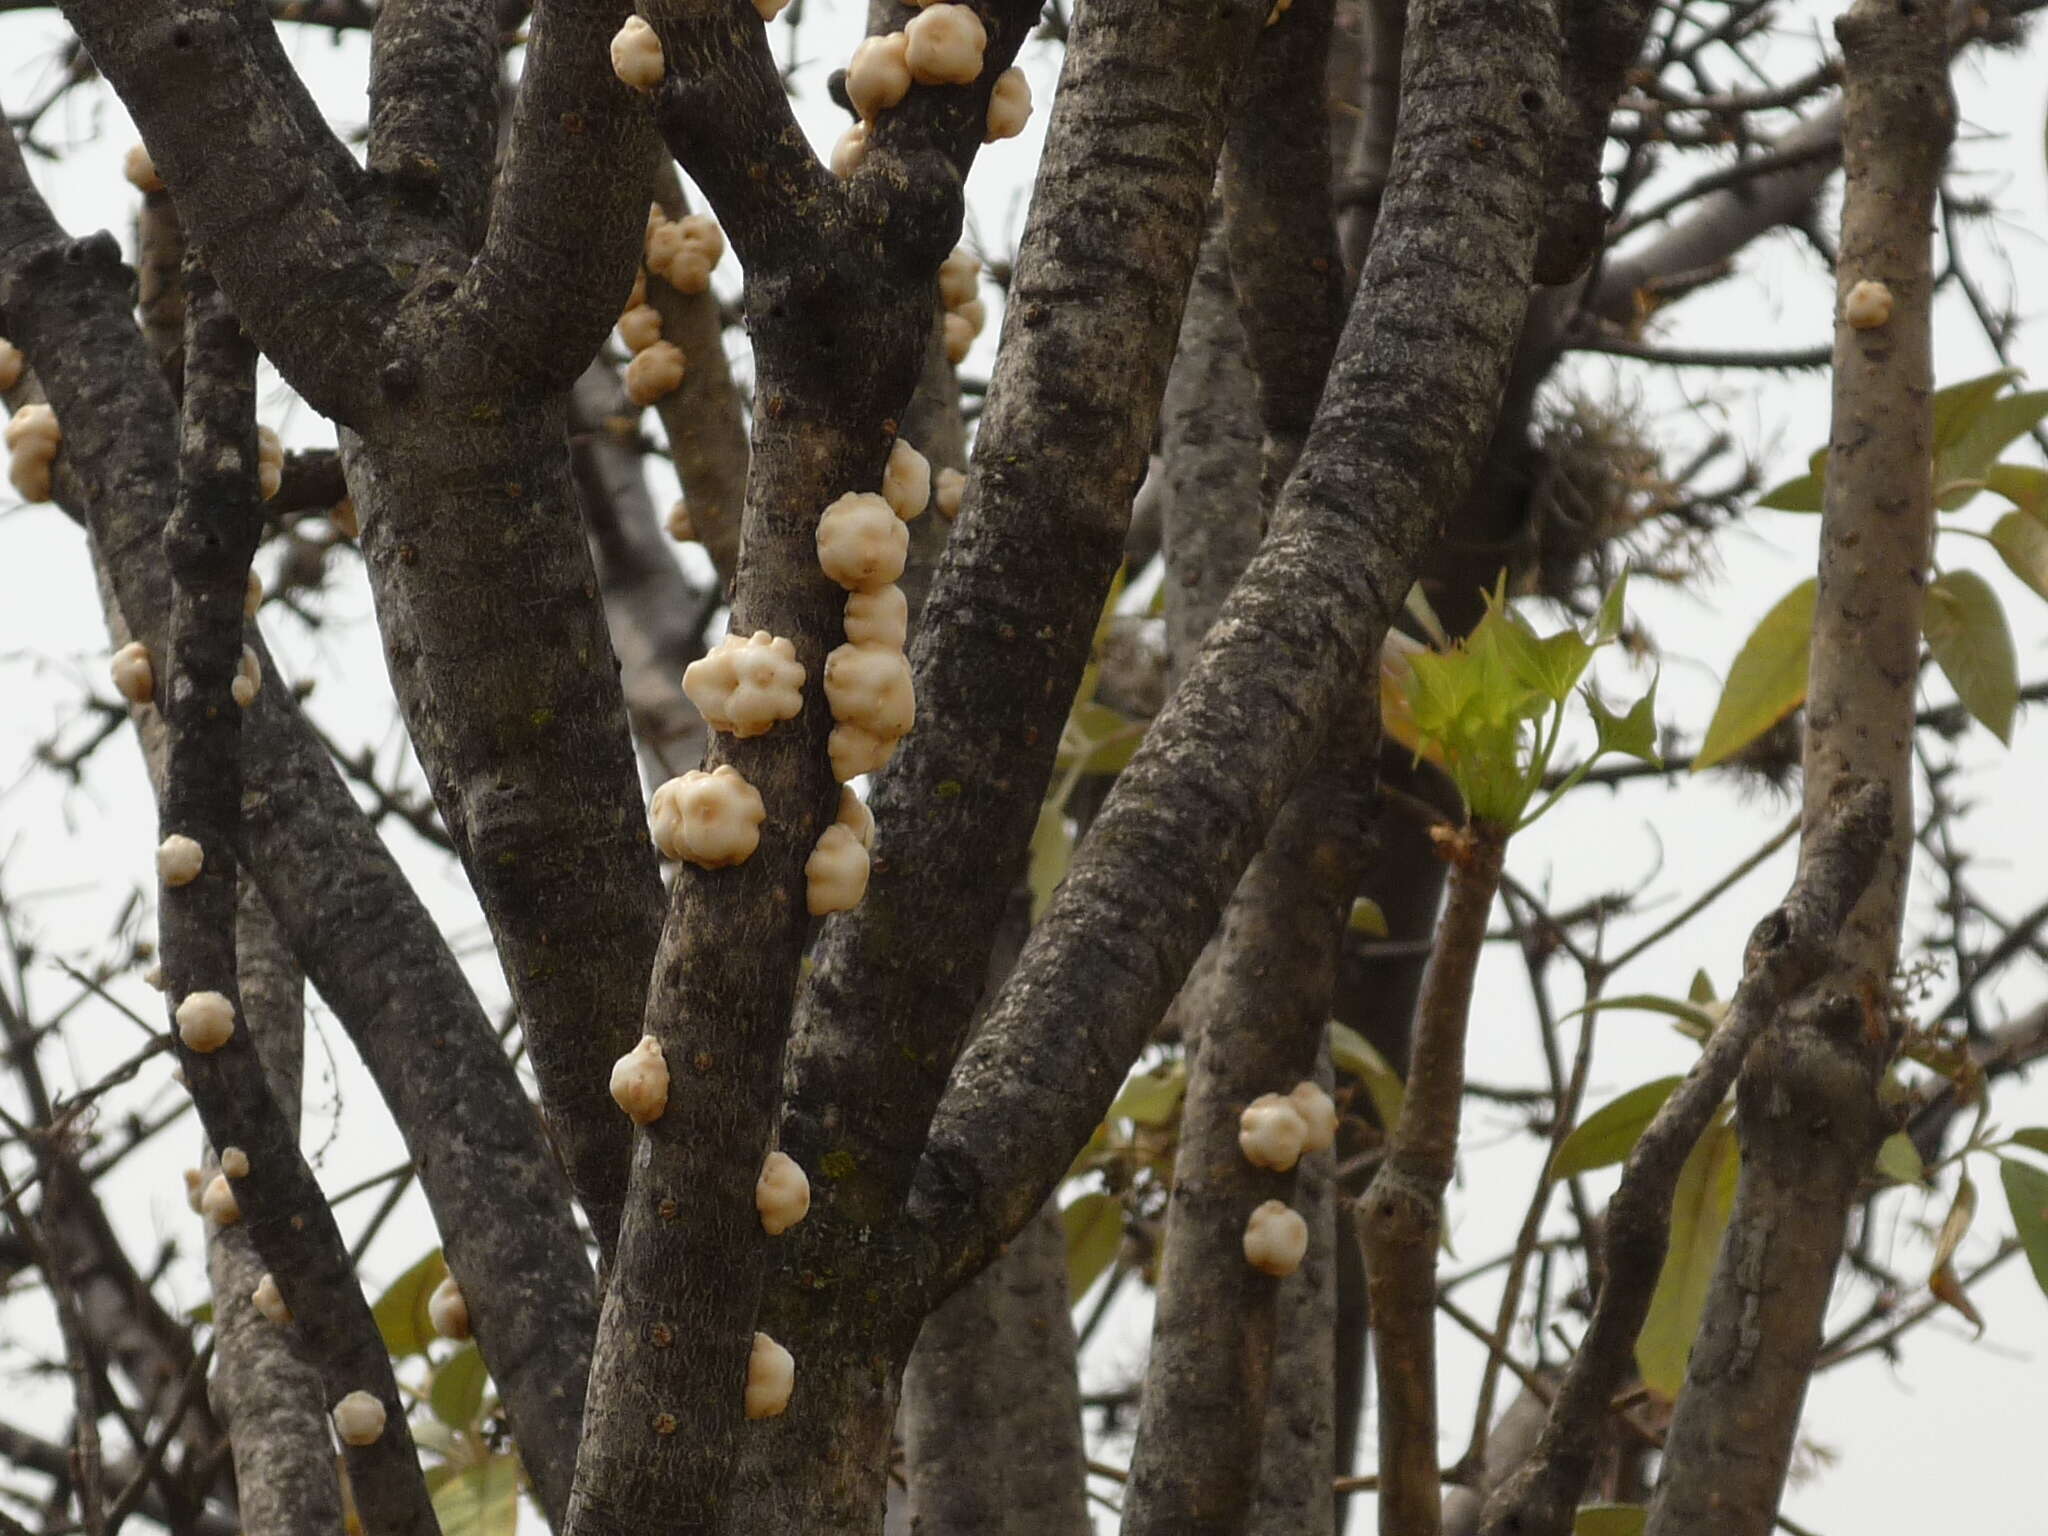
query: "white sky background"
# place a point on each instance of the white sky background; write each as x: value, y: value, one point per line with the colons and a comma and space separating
x: 1944, y: 1439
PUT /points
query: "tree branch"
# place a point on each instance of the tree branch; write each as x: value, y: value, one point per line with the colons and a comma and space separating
x: 1408, y: 408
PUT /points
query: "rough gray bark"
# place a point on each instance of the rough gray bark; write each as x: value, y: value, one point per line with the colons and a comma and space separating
x: 352, y: 921
x: 212, y: 532
x: 991, y: 1409
x: 1409, y: 405
x: 1807, y: 1099
x: 655, y: 619
x: 266, y: 1398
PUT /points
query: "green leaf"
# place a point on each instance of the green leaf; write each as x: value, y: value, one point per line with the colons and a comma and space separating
x: 201, y: 1313
x: 1099, y: 737
x: 2022, y: 542
x: 1610, y: 1519
x: 1966, y: 629
x: 1696, y: 1018
x: 1367, y: 919
x: 1803, y: 493
x: 1767, y: 679
x: 2026, y: 1191
x: 1351, y: 1052
x: 1899, y: 1160
x: 1633, y: 734
x: 482, y: 1500
x: 457, y: 1395
x: 1607, y: 624
x: 1094, y: 1225
x: 1699, y: 1220
x: 1052, y: 849
x: 1151, y: 1098
x: 1957, y: 405
x: 2024, y: 485
x: 1702, y: 988
x: 401, y: 1312
x: 1609, y: 1134
x: 1963, y: 468
x: 2033, y: 1137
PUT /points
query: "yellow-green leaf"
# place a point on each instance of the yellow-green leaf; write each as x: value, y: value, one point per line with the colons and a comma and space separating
x: 1608, y: 1134
x: 1052, y: 847
x: 1699, y: 1220
x: 401, y: 1312
x: 1099, y: 738
x: 2022, y: 542
x: 2026, y: 1191
x: 457, y: 1395
x: 1610, y: 1519
x: 1094, y: 1225
x: 1899, y: 1160
x: 1966, y: 629
x: 482, y: 1500
x: 1803, y: 492
x: 1352, y: 1052
x: 1767, y: 679
x: 1150, y: 1098
x: 2024, y: 485
x: 1963, y: 468
x: 2032, y: 1137
x: 1367, y: 919
x: 1956, y: 1225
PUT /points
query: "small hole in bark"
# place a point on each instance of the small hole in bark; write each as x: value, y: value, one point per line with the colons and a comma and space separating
x: 181, y: 37
x: 1532, y: 100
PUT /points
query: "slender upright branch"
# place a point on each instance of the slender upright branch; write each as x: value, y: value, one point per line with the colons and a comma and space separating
x: 1807, y: 1099
x: 1401, y: 1214
x: 208, y: 544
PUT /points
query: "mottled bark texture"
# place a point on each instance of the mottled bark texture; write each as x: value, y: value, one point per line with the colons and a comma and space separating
x: 1294, y: 1496
x: 267, y: 1399
x: 841, y: 287
x: 1784, y: 967
x: 991, y: 1408
x: 1400, y: 1217
x: 1253, y: 1014
x: 1807, y: 1099
x: 1409, y: 405
x: 655, y: 617
x: 208, y: 543
x: 707, y: 431
x: 353, y: 923
x: 453, y: 385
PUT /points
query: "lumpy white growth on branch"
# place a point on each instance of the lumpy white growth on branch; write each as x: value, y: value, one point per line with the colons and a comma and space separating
x: 946, y: 45
x: 855, y: 816
x: 654, y: 373
x: 1275, y: 1238
x: 880, y: 617
x: 640, y: 1082
x: 712, y: 820
x: 269, y: 1300
x: 448, y: 1308
x: 179, y: 859
x: 1868, y: 305
x: 206, y: 1021
x: 1009, y: 106
x: 907, y: 481
x: 1318, y: 1114
x: 771, y: 1375
x: 234, y: 1162
x: 836, y: 873
x: 879, y: 75
x: 746, y: 684
x: 782, y: 1194
x: 359, y: 1419
x: 218, y: 1204
x: 636, y: 55
x: 1271, y: 1133
x: 862, y: 544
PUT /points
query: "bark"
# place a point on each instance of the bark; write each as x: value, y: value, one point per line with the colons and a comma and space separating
x: 707, y: 431
x: 991, y: 1407
x: 840, y: 293
x: 1788, y: 954
x: 207, y: 544
x: 484, y: 590
x: 267, y: 1399
x: 1409, y: 405
x: 352, y: 921
x: 1401, y: 1216
x: 655, y: 619
x: 1294, y: 1495
x: 1807, y: 1099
